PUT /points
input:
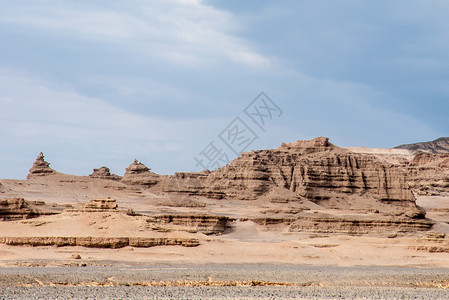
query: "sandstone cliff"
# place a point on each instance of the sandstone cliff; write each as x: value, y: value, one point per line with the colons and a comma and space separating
x: 314, y: 170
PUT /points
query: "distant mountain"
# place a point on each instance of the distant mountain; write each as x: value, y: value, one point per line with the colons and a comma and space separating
x: 440, y: 145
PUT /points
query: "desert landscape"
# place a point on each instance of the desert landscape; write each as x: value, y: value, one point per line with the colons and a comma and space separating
x: 307, y: 203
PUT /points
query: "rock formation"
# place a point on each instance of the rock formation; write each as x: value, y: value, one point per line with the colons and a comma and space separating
x: 40, y: 167
x: 440, y: 145
x: 380, y: 226
x: 139, y: 174
x: 429, y: 174
x: 16, y: 209
x: 206, y: 224
x: 99, y: 242
x: 315, y: 170
x: 100, y: 205
x: 104, y: 173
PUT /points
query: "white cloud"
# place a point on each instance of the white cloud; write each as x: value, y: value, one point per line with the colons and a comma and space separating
x: 185, y: 31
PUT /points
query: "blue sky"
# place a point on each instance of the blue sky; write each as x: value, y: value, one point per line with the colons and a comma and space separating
x: 94, y: 83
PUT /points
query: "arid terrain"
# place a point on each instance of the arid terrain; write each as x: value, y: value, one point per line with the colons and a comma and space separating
x: 304, y: 203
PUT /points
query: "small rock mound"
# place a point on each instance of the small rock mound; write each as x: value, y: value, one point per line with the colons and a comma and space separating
x: 101, y: 204
x: 41, y: 167
x: 16, y: 209
x: 136, y: 168
x: 139, y: 174
x: 104, y: 173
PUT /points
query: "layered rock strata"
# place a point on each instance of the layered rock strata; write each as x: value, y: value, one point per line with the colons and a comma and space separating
x: 429, y: 174
x: 315, y: 170
x: 99, y: 242
x: 206, y: 224
x: 40, y: 167
x: 101, y: 205
x: 341, y: 225
x: 16, y: 209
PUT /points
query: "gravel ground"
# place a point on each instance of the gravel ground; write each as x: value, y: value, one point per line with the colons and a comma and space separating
x: 221, y: 293
x: 309, y: 282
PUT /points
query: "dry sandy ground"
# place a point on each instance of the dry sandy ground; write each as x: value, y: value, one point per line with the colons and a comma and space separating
x: 245, y: 244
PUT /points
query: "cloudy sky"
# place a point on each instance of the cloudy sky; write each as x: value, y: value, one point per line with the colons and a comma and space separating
x: 94, y: 83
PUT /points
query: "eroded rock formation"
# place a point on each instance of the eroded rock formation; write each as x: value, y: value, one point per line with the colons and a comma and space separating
x: 206, y: 224
x: 16, y: 209
x: 429, y: 174
x: 104, y: 173
x: 98, y: 242
x: 380, y: 226
x: 100, y: 205
x: 139, y: 174
x: 40, y: 167
x: 315, y: 170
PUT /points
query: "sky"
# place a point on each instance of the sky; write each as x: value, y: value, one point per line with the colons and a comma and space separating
x: 101, y: 83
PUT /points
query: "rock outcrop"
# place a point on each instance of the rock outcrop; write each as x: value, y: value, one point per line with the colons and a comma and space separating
x: 379, y: 226
x: 206, y: 224
x: 429, y: 174
x: 100, y: 205
x: 16, y: 209
x: 40, y: 167
x: 437, y: 146
x: 98, y: 242
x: 104, y: 173
x: 315, y: 170
x: 139, y: 174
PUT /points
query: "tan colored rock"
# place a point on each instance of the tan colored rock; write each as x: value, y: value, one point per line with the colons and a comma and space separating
x: 16, y: 209
x: 101, y: 204
x: 98, y: 242
x: 139, y: 174
x: 317, y: 171
x: 40, y: 167
x: 104, y: 173
x: 206, y: 224
x: 428, y: 174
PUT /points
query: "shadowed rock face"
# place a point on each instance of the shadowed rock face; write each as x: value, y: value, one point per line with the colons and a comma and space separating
x: 40, y: 167
x: 440, y: 145
x: 139, y: 174
x: 16, y: 209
